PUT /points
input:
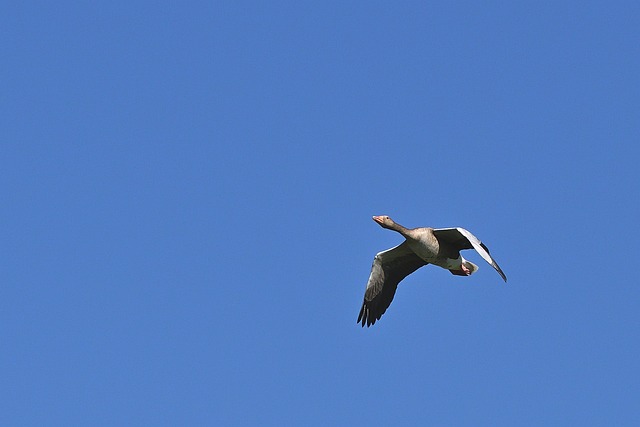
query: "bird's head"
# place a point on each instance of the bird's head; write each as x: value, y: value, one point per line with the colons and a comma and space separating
x: 384, y: 221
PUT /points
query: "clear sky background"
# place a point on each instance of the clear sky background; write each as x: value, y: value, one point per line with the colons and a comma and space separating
x: 186, y: 200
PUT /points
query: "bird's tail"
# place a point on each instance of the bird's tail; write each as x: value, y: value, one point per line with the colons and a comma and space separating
x: 470, y: 266
x: 466, y: 269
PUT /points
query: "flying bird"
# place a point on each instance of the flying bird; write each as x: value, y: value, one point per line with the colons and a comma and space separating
x: 422, y: 246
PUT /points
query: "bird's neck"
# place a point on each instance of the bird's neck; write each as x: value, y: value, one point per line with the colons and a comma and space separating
x: 400, y: 229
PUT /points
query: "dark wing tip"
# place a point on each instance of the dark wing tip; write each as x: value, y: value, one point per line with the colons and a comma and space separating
x: 361, y: 316
x: 365, y: 316
x: 499, y: 270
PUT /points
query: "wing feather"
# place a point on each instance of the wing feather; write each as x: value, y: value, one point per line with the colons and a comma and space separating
x: 463, y: 239
x: 388, y: 269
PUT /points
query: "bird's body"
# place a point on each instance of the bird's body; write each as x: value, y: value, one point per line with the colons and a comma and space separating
x: 423, y: 243
x: 422, y: 246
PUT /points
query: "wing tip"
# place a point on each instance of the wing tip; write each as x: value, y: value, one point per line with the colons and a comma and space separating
x: 365, y: 318
x: 360, y: 316
x: 500, y: 272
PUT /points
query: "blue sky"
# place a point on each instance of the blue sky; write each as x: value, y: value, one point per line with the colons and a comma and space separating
x: 187, y: 191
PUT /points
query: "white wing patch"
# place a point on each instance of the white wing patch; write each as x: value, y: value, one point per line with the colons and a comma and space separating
x: 475, y: 242
x: 480, y: 248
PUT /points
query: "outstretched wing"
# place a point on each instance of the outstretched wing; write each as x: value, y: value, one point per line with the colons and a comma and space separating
x: 461, y: 239
x: 388, y: 269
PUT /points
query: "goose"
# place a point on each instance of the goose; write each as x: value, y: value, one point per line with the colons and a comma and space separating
x: 422, y: 246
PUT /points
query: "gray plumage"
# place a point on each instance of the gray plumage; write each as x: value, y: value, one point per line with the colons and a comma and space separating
x: 422, y: 246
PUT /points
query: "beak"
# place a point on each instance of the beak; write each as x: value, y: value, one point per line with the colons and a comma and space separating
x: 378, y: 219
